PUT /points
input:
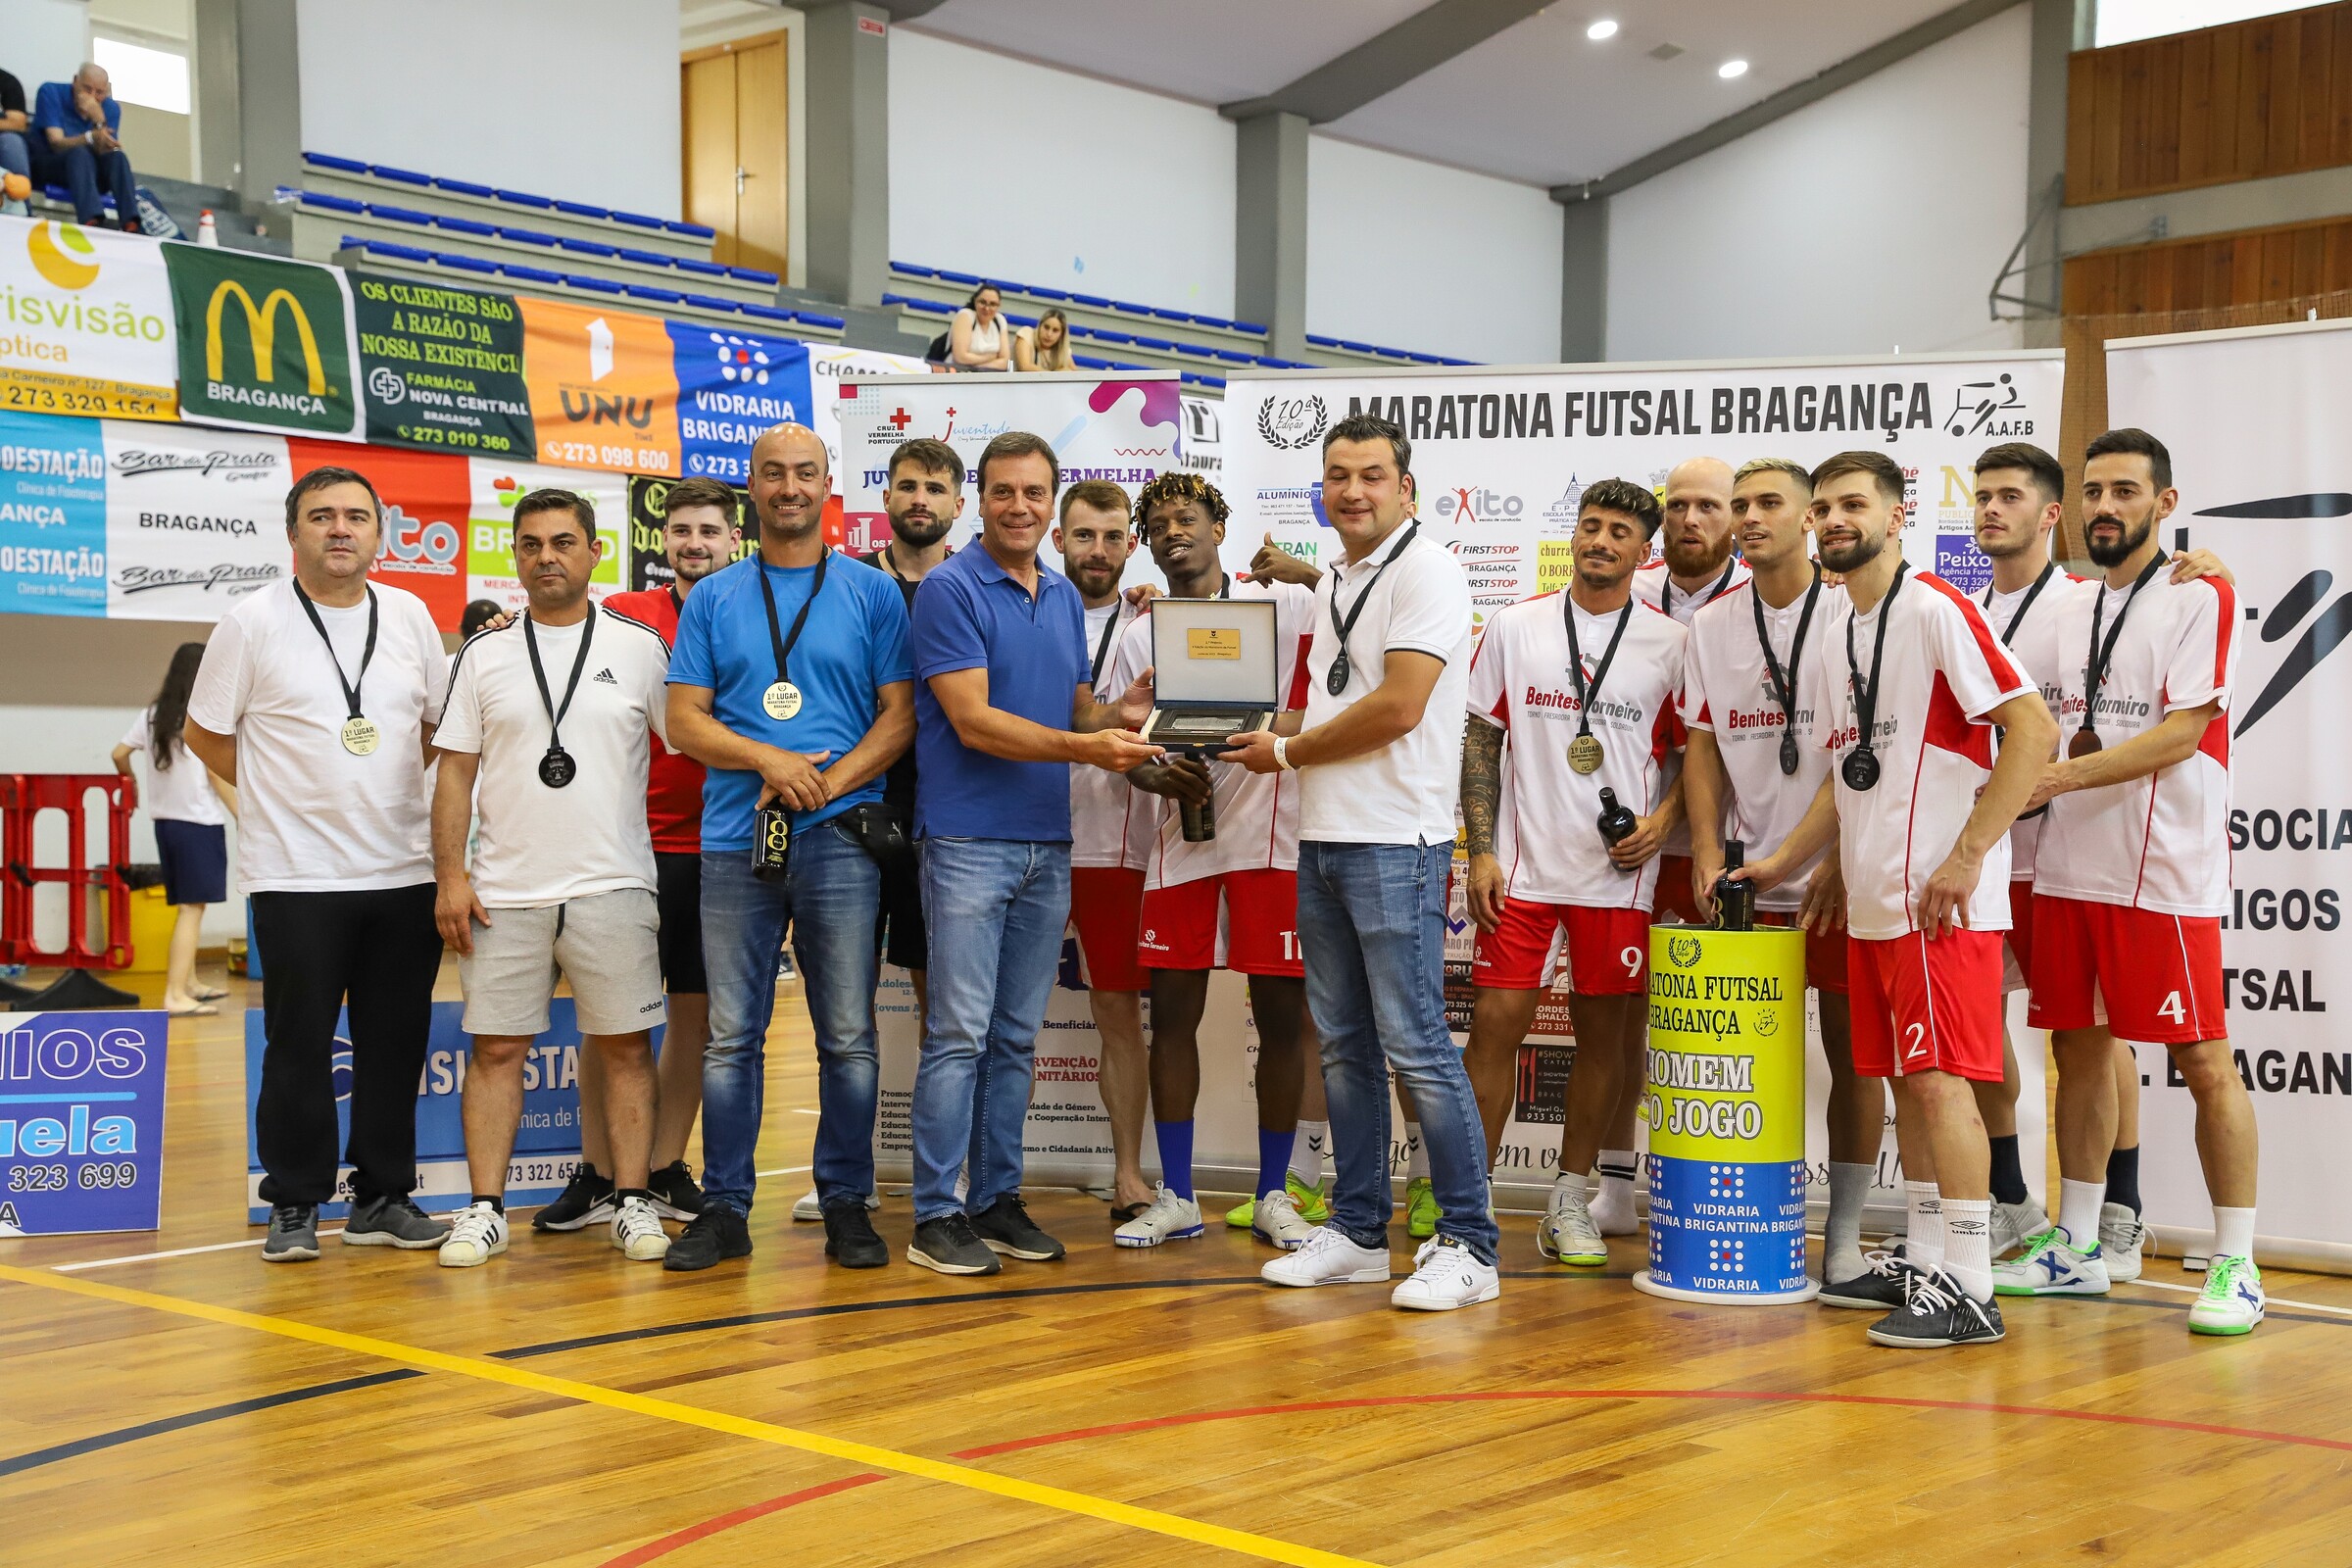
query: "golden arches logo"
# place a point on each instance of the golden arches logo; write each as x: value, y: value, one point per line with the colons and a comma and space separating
x: 261, y: 327
x: 47, y: 250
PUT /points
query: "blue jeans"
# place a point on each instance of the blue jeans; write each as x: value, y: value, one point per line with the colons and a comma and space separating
x: 1372, y: 928
x: 830, y: 900
x: 16, y: 157
x: 83, y: 172
x: 995, y: 909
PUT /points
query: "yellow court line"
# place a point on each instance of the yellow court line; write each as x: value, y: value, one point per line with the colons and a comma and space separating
x: 842, y: 1449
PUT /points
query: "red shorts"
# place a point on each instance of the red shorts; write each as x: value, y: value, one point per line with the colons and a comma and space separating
x: 1106, y: 904
x: 1825, y: 957
x: 1674, y: 891
x: 1259, y: 933
x: 1928, y: 1006
x: 2021, y: 930
x: 2144, y: 975
x: 1608, y: 950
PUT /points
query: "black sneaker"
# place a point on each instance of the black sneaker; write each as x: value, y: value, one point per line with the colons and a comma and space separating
x: 849, y: 1238
x: 1004, y: 1226
x: 675, y: 1196
x: 1939, y: 1312
x: 716, y: 1233
x: 293, y: 1234
x: 1879, y: 1288
x: 946, y: 1246
x: 393, y: 1222
x: 586, y: 1199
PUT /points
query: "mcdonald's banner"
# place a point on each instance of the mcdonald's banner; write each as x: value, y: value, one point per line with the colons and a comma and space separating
x: 603, y: 387
x: 442, y: 367
x: 85, y: 323
x: 265, y: 343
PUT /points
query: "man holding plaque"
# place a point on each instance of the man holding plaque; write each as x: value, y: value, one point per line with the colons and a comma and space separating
x: 790, y: 684
x: 1912, y: 682
x: 2132, y: 873
x: 1567, y: 799
x: 317, y: 699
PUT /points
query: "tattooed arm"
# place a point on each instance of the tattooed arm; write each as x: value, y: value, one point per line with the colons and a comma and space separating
x: 1482, y: 795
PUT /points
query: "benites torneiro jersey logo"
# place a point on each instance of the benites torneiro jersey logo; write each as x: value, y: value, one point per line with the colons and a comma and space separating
x: 265, y: 343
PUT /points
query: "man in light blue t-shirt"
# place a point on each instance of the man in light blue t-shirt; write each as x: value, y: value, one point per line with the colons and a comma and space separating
x: 790, y: 682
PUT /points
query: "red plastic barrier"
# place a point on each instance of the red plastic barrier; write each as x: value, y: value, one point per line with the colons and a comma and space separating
x: 23, y: 795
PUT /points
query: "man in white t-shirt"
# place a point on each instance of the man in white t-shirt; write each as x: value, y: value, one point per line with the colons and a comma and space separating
x: 1110, y: 828
x: 1566, y: 800
x: 550, y: 717
x: 1229, y: 902
x: 2132, y: 877
x: 317, y: 699
x: 1912, y: 682
x: 1380, y: 747
x: 1751, y: 770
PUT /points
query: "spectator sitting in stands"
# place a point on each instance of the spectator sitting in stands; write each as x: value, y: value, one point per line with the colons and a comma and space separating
x: 16, y: 152
x: 976, y: 338
x: 77, y: 145
x: 1045, y: 346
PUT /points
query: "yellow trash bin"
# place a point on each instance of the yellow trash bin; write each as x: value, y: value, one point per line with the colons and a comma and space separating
x: 151, y: 921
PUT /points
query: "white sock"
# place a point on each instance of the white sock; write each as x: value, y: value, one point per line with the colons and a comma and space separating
x: 1842, y: 1233
x: 1923, y: 1241
x: 1306, y: 1151
x: 1416, y: 1153
x: 1968, y: 1244
x: 1617, y: 1177
x: 1577, y: 1187
x: 2079, y: 1205
x: 2232, y: 1231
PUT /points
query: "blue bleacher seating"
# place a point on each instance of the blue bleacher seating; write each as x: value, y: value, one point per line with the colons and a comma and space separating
x: 1106, y: 334
x: 1045, y: 293
x: 347, y: 165
x: 967, y: 279
x: 587, y: 247
x: 400, y: 215
x: 643, y: 257
x: 690, y: 231
x: 1250, y: 328
x: 599, y: 285
x: 635, y: 220
x: 465, y: 187
x: 753, y: 275
x: 687, y: 264
x: 1196, y: 350
x: 529, y: 274
x: 384, y: 247
x: 1092, y: 301
x: 331, y: 204
x: 812, y: 318
x: 710, y: 302
x: 463, y: 225
x: 912, y: 271
x: 646, y: 291
x: 766, y: 313
x: 582, y: 210
x: 404, y: 177
x: 1164, y: 345
x: 1232, y: 356
x: 1165, y: 316
x: 1322, y: 342
x: 464, y: 263
x: 526, y: 236
x: 523, y: 198
x: 1422, y: 358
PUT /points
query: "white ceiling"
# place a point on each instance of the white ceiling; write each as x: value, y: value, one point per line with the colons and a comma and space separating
x: 1537, y: 103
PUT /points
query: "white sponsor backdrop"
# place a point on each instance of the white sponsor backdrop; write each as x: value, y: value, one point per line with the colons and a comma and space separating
x: 2256, y: 422
x: 195, y: 519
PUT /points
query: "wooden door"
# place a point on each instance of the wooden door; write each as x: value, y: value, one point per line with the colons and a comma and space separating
x: 733, y: 100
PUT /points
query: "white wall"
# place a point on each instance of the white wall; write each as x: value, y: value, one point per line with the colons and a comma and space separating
x: 1412, y: 255
x: 1878, y: 217
x: 576, y: 99
x: 47, y: 40
x: 1020, y: 172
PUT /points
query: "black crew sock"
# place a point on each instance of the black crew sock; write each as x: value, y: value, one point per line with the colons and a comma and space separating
x: 2123, y: 1178
x: 2008, y: 1176
x: 497, y: 1202
x: 621, y: 1195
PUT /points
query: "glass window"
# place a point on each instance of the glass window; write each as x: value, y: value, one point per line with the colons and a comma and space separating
x: 154, y: 78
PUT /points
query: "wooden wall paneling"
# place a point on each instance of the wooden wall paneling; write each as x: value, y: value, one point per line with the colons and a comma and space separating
x: 2315, y: 107
x: 2107, y: 130
x: 2339, y: 140
x: 2082, y: 116
x: 2163, y: 161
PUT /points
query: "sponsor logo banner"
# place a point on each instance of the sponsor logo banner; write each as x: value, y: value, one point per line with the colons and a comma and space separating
x: 603, y: 387
x: 52, y: 517
x: 648, y: 563
x: 442, y: 367
x: 85, y: 323
x: 493, y: 489
x: 82, y: 1122
x: 427, y: 496
x: 195, y: 519
x: 265, y: 343
x: 731, y: 387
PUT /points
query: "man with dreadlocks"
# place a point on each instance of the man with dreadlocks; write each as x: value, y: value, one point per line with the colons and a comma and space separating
x: 1251, y: 868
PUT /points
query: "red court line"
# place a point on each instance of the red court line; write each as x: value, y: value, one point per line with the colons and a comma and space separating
x: 653, y: 1549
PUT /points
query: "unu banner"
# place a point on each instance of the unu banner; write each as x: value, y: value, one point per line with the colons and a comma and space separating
x: 85, y: 323
x: 603, y: 387
x: 442, y: 367
x: 265, y: 343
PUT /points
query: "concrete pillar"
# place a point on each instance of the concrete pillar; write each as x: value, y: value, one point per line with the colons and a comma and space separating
x: 2057, y: 25
x: 248, y: 81
x: 847, y: 125
x: 1584, y: 279
x: 1269, y: 229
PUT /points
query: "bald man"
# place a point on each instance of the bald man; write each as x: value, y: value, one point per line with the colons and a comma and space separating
x: 76, y: 130
x: 790, y: 683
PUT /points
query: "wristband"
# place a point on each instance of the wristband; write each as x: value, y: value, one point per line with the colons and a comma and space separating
x: 1282, y: 755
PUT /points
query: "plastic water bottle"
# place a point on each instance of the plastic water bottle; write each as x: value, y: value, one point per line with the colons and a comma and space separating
x: 208, y: 233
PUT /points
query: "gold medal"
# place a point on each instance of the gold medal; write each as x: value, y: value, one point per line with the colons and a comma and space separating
x: 1584, y: 754
x: 361, y: 737
x: 782, y: 701
x: 2085, y: 742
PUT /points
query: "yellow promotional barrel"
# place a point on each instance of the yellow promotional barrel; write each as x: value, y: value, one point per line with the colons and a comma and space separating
x: 1725, y: 1108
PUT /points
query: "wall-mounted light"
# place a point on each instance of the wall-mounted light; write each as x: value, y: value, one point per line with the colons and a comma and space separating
x: 1603, y: 28
x: 1732, y: 67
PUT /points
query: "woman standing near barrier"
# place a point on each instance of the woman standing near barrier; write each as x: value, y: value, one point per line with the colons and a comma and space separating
x: 190, y: 807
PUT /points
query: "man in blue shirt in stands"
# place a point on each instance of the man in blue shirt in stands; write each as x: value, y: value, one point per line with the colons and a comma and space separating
x: 790, y: 683
x: 1004, y: 703
x: 76, y: 143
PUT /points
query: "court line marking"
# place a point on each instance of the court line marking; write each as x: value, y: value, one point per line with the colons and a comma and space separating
x: 2277, y: 1301
x: 867, y: 1454
x: 663, y: 1546
x: 102, y: 1441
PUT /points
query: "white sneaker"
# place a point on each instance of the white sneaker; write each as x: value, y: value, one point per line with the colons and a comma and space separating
x: 1277, y: 1220
x: 1613, y: 1211
x: 477, y: 1235
x: 2231, y: 1302
x: 2120, y: 1238
x: 1327, y: 1257
x: 2053, y: 1266
x: 808, y: 1211
x: 637, y: 1231
x: 1166, y: 1218
x: 1568, y: 1232
x: 2015, y: 1225
x: 1446, y: 1275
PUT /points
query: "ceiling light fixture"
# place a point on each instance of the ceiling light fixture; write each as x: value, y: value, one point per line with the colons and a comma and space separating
x: 1603, y: 28
x: 1732, y: 67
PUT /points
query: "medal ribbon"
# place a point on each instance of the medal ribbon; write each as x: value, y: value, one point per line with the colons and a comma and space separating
x: 1589, y: 692
x: 2094, y: 676
x: 351, y: 688
x: 2019, y: 619
x: 783, y: 644
x: 555, y: 715
x: 1110, y: 629
x: 1783, y: 684
x: 1866, y: 700
x: 1343, y: 628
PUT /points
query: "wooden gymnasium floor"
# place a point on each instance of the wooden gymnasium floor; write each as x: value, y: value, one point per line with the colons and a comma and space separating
x: 189, y: 1406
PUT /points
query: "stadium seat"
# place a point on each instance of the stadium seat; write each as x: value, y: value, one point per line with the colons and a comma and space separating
x: 523, y: 198
x: 464, y: 263
x: 326, y: 202
x: 635, y: 220
x: 753, y: 275
x: 342, y: 166
x: 527, y: 236
x: 463, y: 225
x: 646, y: 291
x: 595, y: 285
x: 588, y: 247
x: 404, y: 177
x: 687, y: 264
x: 643, y: 257
x: 529, y: 274
x: 583, y: 210
x: 465, y: 187
x: 400, y: 215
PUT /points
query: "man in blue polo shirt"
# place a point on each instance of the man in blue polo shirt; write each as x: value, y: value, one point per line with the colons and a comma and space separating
x: 1004, y: 703
x: 790, y: 683
x: 76, y: 143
